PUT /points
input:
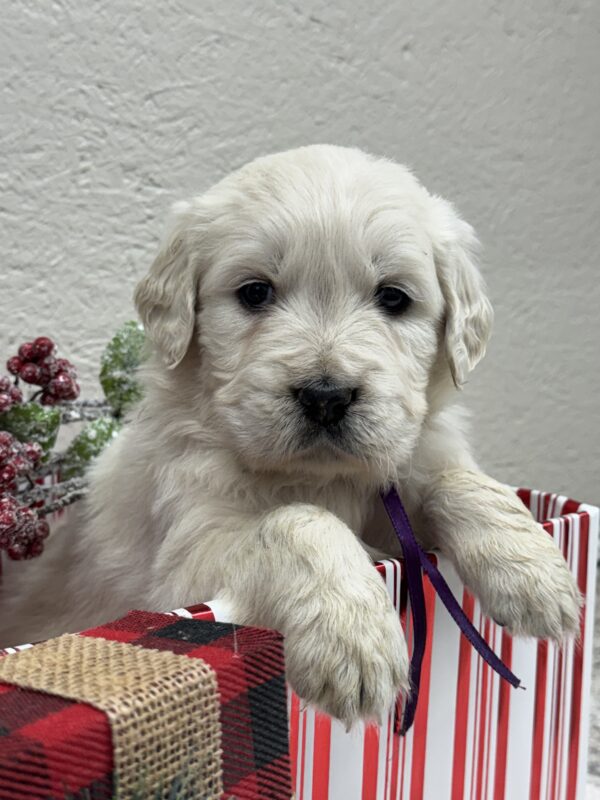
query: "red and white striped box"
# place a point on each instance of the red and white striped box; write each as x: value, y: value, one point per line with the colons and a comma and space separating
x: 474, y: 737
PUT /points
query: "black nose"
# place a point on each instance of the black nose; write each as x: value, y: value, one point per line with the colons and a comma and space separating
x: 325, y: 402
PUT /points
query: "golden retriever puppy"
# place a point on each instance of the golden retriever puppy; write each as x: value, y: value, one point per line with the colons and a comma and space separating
x: 311, y: 317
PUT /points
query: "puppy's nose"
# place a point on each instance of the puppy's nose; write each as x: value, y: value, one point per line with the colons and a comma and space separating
x: 324, y: 402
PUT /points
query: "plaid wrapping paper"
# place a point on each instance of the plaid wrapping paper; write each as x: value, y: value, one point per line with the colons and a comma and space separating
x: 54, y: 747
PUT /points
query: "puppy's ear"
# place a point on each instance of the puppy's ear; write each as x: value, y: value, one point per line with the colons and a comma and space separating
x: 469, y: 315
x: 166, y: 297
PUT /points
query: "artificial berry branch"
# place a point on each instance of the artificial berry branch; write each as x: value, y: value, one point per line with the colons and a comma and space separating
x: 84, y: 410
x: 22, y: 529
x: 43, y: 492
x: 62, y: 502
x: 35, y: 481
x: 51, y: 466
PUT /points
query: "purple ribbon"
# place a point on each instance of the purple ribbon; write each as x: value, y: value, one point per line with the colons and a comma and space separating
x: 415, y: 561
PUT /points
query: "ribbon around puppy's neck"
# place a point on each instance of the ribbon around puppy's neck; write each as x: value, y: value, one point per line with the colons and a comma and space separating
x: 416, y: 562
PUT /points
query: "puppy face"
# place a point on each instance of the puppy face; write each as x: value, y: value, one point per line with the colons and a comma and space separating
x: 321, y: 284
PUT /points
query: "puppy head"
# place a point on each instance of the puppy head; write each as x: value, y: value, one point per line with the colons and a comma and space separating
x: 321, y: 284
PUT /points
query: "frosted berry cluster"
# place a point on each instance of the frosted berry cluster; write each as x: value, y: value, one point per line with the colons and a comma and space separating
x: 36, y: 364
x: 16, y: 460
x: 10, y: 395
x: 22, y: 532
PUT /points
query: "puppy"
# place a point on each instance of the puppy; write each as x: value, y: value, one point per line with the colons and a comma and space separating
x: 310, y: 317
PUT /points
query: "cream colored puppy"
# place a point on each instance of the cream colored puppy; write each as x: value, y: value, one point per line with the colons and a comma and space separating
x: 311, y: 316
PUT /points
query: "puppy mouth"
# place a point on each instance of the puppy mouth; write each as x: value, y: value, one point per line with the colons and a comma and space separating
x: 326, y: 443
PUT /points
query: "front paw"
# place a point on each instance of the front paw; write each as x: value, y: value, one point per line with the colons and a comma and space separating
x: 352, y: 662
x: 523, y: 582
x: 503, y: 555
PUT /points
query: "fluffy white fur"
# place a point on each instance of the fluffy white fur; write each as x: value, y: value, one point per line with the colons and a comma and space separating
x: 217, y: 487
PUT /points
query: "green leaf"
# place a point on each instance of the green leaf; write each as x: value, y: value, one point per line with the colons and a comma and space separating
x: 31, y: 422
x: 88, y: 443
x: 119, y: 363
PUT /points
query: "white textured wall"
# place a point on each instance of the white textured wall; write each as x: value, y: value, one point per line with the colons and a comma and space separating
x: 111, y: 110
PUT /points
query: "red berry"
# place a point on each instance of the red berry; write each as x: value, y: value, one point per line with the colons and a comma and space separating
x: 62, y: 386
x: 27, y: 521
x: 5, y: 383
x: 20, y: 464
x: 35, y: 548
x: 43, y: 529
x: 27, y: 534
x: 27, y: 516
x: 15, y: 395
x: 6, y: 452
x: 43, y: 346
x: 27, y: 351
x: 8, y: 520
x: 49, y: 369
x: 53, y: 366
x: 73, y: 394
x: 48, y: 399
x: 8, y: 473
x: 30, y: 373
x: 7, y: 438
x: 8, y: 502
x: 33, y: 451
x: 9, y: 398
x: 16, y: 551
x: 64, y: 365
x: 14, y: 364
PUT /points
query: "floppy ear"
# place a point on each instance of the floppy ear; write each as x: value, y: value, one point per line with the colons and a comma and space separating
x: 469, y: 315
x: 166, y: 297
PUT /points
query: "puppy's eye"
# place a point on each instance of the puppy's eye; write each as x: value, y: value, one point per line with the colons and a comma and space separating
x: 392, y: 299
x: 255, y: 294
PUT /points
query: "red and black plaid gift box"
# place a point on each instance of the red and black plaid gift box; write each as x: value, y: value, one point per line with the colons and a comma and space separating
x: 98, y: 715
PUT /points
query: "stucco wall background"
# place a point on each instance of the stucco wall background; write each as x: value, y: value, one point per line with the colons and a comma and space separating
x: 111, y: 111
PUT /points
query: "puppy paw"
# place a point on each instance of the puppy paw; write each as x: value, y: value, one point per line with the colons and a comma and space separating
x: 523, y: 582
x: 503, y: 555
x: 539, y: 601
x: 352, y: 661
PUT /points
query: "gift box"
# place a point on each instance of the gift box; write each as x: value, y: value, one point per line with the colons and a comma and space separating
x: 474, y: 736
x: 150, y: 706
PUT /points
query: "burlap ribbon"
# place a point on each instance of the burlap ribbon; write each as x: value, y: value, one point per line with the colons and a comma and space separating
x: 163, y: 709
